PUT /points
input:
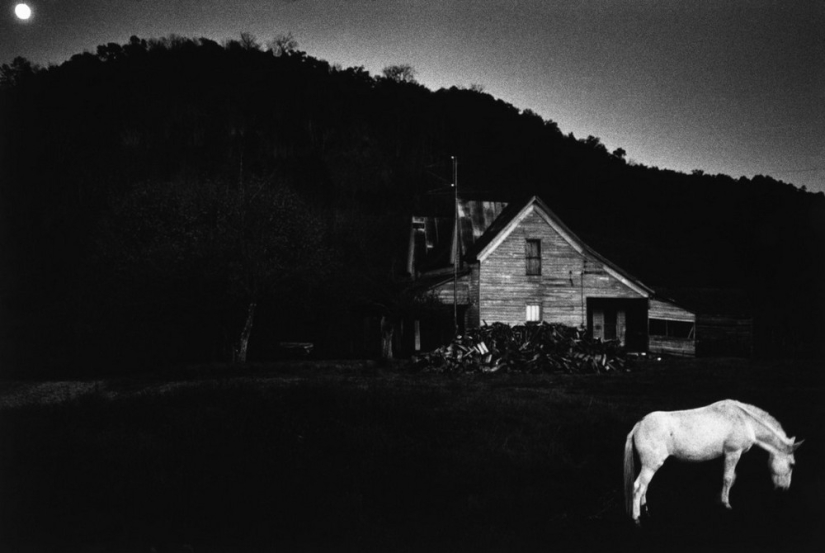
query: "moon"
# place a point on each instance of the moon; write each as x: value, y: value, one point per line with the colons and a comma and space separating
x: 22, y: 11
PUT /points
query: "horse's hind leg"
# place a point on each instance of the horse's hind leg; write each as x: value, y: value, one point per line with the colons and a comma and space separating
x: 731, y: 458
x: 643, y: 503
x: 640, y: 491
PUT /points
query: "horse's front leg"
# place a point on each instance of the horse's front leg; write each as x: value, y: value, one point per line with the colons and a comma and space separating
x: 731, y: 458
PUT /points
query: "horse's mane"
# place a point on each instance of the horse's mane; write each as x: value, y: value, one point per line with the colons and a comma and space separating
x: 764, y: 417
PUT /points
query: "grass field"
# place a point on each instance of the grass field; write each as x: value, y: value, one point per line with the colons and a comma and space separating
x: 354, y: 457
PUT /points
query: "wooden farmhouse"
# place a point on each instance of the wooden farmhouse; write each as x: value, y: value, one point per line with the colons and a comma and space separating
x: 519, y: 263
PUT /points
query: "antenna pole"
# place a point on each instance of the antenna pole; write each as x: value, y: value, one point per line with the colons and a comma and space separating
x: 457, y: 255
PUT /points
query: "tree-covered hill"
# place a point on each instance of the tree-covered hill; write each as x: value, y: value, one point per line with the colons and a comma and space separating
x: 140, y: 185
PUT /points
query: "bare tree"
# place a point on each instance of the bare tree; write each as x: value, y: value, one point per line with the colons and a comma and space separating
x: 402, y: 73
x: 249, y: 42
x: 283, y: 45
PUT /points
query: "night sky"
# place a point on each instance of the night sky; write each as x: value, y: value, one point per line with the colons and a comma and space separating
x: 725, y: 86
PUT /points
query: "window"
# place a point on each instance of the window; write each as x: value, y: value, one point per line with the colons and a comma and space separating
x: 533, y: 313
x: 670, y: 329
x: 532, y: 254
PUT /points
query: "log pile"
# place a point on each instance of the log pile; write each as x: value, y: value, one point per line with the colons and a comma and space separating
x: 530, y: 348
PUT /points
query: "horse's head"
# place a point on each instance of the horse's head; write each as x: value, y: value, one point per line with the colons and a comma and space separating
x: 782, y: 463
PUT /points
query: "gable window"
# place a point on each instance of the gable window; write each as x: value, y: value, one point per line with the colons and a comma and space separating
x: 532, y: 255
x: 533, y: 312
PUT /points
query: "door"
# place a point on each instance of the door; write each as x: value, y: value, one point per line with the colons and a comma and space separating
x: 619, y: 319
x: 606, y: 323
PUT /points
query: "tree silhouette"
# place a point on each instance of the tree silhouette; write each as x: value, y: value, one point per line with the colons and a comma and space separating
x: 252, y: 242
x: 402, y: 73
x: 138, y: 128
x: 283, y: 45
x: 16, y: 73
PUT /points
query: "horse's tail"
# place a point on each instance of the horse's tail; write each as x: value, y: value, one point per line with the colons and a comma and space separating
x: 629, y: 470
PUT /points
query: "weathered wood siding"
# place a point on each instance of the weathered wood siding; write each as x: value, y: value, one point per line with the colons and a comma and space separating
x: 660, y: 309
x: 672, y: 346
x: 718, y: 335
x: 567, y: 279
x: 473, y: 314
x: 446, y: 292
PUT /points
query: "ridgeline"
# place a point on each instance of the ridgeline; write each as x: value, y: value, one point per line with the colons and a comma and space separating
x: 157, y: 193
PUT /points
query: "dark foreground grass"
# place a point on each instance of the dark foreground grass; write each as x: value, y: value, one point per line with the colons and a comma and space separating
x: 348, y: 457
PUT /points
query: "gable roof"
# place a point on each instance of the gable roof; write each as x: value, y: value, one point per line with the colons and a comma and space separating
x: 515, y: 213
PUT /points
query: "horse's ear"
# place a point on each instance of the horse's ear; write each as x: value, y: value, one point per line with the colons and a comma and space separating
x: 797, y: 444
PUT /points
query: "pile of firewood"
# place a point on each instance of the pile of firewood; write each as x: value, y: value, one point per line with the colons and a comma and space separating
x: 532, y: 348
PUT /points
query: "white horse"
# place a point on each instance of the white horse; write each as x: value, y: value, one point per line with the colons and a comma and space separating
x: 726, y: 428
